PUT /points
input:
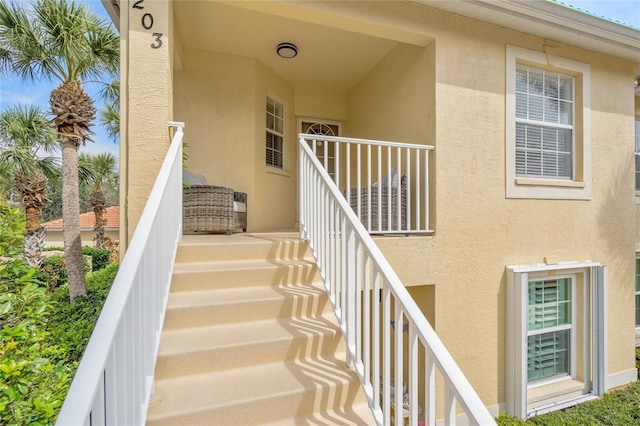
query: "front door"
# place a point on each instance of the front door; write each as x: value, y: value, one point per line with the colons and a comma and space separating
x: 324, y: 151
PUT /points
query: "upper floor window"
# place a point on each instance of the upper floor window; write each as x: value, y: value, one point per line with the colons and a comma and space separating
x: 637, y: 290
x: 548, y: 143
x: 274, y: 133
x: 637, y: 154
x: 544, y: 123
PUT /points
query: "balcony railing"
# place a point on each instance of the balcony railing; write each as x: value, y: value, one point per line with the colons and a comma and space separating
x: 386, y: 183
x: 369, y: 300
x: 114, y: 380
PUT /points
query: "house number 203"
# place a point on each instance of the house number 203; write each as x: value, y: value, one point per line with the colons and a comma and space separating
x: 147, y: 24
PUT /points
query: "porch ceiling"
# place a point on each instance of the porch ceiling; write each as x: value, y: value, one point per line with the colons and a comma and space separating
x: 328, y: 58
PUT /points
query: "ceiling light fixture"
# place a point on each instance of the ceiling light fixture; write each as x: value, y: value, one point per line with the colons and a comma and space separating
x: 287, y: 50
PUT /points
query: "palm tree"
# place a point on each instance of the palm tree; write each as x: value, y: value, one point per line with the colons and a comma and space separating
x: 102, y: 169
x: 109, y: 114
x: 66, y: 42
x: 24, y: 132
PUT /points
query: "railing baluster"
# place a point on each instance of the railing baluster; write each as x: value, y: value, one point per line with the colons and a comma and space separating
x: 413, y: 376
x: 399, y: 363
x: 357, y: 276
x: 386, y: 352
x: 426, y: 190
x: 449, y: 405
x: 429, y: 389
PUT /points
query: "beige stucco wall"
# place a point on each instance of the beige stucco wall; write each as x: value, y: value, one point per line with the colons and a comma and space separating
x: 450, y: 94
x: 478, y: 231
x: 147, y: 102
x: 223, y: 98
x: 54, y: 237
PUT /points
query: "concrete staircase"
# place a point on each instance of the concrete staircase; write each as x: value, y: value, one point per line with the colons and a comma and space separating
x: 250, y: 338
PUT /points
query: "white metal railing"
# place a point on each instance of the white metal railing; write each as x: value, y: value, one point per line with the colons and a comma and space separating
x: 362, y: 286
x: 114, y: 380
x: 386, y: 183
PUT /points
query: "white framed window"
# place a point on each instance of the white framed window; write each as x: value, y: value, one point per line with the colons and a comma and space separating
x: 544, y: 124
x: 637, y: 154
x: 637, y: 289
x: 547, y: 126
x: 274, y: 142
x: 556, y: 336
x: 550, y: 329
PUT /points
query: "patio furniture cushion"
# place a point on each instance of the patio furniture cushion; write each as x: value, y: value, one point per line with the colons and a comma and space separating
x: 210, y: 208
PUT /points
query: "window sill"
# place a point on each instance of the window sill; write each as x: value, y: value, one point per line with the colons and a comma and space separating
x: 279, y: 172
x: 637, y: 336
x: 554, y: 392
x: 637, y: 197
x: 549, y: 182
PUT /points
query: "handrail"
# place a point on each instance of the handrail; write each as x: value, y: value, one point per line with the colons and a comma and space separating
x: 355, y: 272
x: 386, y: 183
x: 114, y: 381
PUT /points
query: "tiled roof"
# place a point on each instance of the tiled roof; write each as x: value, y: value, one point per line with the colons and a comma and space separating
x: 112, y: 215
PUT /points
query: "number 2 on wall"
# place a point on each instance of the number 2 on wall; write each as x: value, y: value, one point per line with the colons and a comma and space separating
x: 147, y: 24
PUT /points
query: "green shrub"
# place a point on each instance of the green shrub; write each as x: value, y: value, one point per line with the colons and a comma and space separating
x: 620, y: 407
x: 32, y: 386
x: 74, y: 323
x: 100, y: 258
x: 12, y: 228
x: 53, y: 272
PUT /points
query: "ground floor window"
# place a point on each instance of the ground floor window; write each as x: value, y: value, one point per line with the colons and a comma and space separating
x: 550, y: 328
x: 556, y: 338
x: 637, y: 289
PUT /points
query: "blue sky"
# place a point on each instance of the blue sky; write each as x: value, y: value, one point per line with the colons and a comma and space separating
x: 13, y: 91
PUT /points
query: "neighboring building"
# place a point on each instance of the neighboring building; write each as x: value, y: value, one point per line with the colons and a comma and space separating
x: 528, y: 274
x: 112, y: 228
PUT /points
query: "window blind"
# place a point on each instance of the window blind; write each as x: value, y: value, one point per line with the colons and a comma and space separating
x: 544, y: 123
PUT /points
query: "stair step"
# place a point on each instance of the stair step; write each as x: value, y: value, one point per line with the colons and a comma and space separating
x: 234, y: 274
x: 199, y: 248
x: 250, y: 337
x: 277, y: 392
x: 215, y: 348
x: 200, y: 308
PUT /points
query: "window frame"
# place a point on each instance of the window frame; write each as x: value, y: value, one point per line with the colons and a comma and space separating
x: 275, y: 133
x: 571, y: 327
x: 579, y: 186
x: 636, y: 294
x: 637, y: 156
x: 592, y: 322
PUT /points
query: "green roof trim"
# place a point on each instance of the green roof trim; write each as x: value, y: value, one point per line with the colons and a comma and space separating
x: 586, y: 12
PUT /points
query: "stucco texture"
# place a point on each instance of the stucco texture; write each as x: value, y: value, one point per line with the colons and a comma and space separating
x: 450, y: 93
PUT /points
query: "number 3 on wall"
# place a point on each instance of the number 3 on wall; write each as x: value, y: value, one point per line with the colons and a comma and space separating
x: 147, y: 24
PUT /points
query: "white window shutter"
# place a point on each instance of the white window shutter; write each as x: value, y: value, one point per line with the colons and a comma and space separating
x: 599, y: 315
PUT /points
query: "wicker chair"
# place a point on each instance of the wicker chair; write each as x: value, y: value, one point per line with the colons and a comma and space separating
x: 209, y: 208
x: 380, y: 214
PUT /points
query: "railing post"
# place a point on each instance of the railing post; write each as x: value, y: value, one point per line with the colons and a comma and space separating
x: 350, y: 284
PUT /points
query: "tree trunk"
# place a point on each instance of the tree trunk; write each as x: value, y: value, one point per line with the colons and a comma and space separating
x: 34, y: 240
x: 98, y: 201
x: 71, y: 219
x: 32, y: 194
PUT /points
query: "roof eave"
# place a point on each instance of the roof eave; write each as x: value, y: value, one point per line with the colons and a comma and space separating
x: 538, y: 16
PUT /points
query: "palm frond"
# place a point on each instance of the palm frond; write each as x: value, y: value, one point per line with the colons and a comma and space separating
x: 109, y: 119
